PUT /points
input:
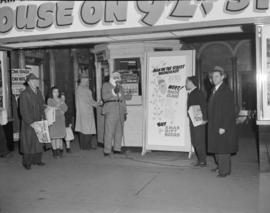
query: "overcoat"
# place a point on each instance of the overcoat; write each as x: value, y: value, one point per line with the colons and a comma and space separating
x: 58, y: 128
x: 196, y: 97
x: 221, y: 114
x: 31, y: 110
x: 85, y: 120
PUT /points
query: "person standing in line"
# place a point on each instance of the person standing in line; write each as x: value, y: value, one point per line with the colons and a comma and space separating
x: 197, y: 133
x: 85, y: 120
x: 32, y: 108
x: 3, y: 143
x: 68, y: 121
x: 222, y: 136
x: 115, y: 112
x: 57, y: 129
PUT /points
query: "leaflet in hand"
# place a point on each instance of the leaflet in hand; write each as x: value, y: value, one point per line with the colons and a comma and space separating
x: 196, y: 116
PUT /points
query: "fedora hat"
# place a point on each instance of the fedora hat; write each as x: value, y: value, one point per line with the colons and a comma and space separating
x: 31, y: 76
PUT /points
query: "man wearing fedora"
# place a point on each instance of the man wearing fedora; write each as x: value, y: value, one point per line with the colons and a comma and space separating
x: 222, y: 139
x: 32, y: 108
x: 196, y: 98
x: 85, y: 119
x: 115, y: 111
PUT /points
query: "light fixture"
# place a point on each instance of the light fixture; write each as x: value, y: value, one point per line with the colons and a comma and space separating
x: 208, y: 31
x: 143, y: 36
x: 37, y: 44
x: 84, y: 40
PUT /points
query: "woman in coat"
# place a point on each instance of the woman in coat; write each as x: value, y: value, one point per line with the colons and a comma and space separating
x: 222, y: 140
x: 58, y: 128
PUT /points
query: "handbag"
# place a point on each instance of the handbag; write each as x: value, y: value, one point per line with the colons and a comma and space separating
x: 69, y: 134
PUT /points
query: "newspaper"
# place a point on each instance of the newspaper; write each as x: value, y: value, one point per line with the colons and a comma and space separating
x: 196, y: 116
x: 3, y: 116
x: 50, y: 114
x: 42, y: 130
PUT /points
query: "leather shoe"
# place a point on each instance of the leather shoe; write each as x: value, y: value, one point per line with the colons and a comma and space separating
x: 214, y: 170
x: 118, y: 152
x: 27, y: 167
x: 196, y: 164
x: 106, y: 154
x: 203, y: 164
x: 40, y: 164
x: 222, y: 175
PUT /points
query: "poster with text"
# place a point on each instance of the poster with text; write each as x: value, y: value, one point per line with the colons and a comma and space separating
x: 167, y: 122
x: 18, y: 77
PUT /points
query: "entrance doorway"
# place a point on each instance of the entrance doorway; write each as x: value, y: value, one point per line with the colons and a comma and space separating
x: 236, y: 55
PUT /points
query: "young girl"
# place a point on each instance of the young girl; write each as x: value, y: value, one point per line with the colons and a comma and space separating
x: 68, y: 124
x: 58, y: 128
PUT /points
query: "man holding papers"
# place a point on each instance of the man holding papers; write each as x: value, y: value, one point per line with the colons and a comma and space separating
x: 196, y: 106
x: 32, y: 110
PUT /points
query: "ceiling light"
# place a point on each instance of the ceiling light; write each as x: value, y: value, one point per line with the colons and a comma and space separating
x: 208, y: 31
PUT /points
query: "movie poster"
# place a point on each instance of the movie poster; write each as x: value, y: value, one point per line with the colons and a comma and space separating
x: 167, y: 98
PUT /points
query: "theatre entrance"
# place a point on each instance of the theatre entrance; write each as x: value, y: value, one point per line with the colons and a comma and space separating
x: 236, y: 55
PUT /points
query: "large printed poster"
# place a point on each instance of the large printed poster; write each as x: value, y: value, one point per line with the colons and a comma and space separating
x: 167, y: 123
x: 18, y: 77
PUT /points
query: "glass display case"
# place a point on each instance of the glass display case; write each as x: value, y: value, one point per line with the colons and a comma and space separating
x: 130, y: 70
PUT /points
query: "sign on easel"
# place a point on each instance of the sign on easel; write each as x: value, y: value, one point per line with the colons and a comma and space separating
x: 167, y: 124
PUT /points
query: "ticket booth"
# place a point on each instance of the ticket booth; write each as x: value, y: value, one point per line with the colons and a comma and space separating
x: 129, y: 60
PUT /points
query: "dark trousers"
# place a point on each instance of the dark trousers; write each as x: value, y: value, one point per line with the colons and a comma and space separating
x: 87, y: 142
x: 3, y: 142
x: 224, y: 163
x: 29, y: 159
x: 198, y: 142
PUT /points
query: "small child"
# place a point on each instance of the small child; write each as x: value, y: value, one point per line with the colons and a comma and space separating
x: 68, y: 126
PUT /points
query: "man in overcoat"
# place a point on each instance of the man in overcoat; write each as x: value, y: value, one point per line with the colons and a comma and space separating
x: 222, y: 136
x: 114, y: 110
x: 197, y: 133
x: 32, y: 108
x: 85, y: 119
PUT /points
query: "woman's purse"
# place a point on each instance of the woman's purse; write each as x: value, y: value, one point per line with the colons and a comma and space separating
x: 69, y: 134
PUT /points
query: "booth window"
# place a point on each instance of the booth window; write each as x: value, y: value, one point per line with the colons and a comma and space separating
x: 130, y: 70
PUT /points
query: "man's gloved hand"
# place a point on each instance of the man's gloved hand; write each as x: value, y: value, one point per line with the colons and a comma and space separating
x: 116, y: 89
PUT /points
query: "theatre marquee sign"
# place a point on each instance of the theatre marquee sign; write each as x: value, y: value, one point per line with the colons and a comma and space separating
x: 24, y: 18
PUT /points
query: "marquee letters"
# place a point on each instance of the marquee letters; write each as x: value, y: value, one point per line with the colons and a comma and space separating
x: 61, y: 14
